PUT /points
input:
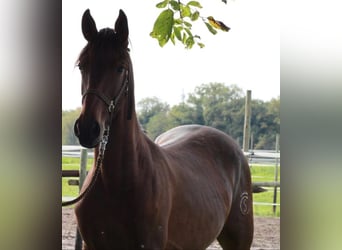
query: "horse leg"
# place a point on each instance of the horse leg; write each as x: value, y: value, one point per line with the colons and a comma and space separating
x: 237, y: 233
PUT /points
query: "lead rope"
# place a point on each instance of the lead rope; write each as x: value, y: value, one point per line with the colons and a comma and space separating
x: 99, y: 160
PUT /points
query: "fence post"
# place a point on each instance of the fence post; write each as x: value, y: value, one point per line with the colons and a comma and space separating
x: 83, y: 166
x: 238, y: 141
x: 83, y: 173
x: 247, y: 125
x: 276, y: 176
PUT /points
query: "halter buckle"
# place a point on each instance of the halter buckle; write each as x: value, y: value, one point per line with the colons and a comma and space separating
x: 111, y: 106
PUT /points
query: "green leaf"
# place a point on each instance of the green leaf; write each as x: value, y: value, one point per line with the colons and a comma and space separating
x: 172, y: 38
x: 175, y: 5
x: 185, y: 11
x: 184, y: 38
x: 194, y: 3
x: 187, y: 24
x: 162, y: 28
x: 210, y: 28
x: 162, y: 4
x: 201, y: 45
x: 189, y: 42
x: 178, y: 21
x: 177, y: 31
x: 188, y: 31
x: 194, y: 16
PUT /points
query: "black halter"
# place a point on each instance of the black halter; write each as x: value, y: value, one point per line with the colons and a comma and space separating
x: 110, y: 103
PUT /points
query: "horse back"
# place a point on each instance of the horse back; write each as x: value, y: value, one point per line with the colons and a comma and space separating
x: 204, y: 149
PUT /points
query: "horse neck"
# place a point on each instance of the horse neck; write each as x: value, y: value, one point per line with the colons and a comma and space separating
x: 128, y: 150
x: 125, y: 134
x: 123, y: 137
x: 124, y: 153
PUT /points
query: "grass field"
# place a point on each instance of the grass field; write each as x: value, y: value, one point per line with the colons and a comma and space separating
x: 265, y: 174
x: 259, y: 174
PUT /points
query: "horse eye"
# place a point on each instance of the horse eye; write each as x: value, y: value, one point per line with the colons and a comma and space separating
x: 80, y: 67
x: 120, y: 69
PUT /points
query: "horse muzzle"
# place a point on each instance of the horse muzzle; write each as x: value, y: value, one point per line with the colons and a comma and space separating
x: 88, y: 133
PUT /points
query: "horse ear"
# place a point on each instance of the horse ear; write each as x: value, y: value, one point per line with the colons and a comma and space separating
x: 121, y: 28
x: 89, y: 29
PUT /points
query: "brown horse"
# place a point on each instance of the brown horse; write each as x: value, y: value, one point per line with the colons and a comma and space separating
x: 183, y: 191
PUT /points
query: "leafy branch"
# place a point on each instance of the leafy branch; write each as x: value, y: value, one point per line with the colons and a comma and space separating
x: 175, y: 23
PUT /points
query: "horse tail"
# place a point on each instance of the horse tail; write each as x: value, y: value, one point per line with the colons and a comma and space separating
x: 258, y: 189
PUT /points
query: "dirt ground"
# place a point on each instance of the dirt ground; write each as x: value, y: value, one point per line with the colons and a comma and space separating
x: 266, y: 232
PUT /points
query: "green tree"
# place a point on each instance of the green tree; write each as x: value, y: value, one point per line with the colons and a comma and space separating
x: 265, y: 123
x: 182, y: 114
x: 152, y: 115
x: 68, y: 120
x: 215, y: 105
x: 158, y: 124
x: 220, y: 106
x: 149, y: 107
x: 273, y: 109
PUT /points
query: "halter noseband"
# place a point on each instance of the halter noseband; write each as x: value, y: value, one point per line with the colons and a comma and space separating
x: 111, y: 103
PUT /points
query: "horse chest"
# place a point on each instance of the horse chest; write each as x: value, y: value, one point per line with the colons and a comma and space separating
x: 118, y: 223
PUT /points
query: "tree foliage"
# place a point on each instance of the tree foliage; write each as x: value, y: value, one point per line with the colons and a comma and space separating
x: 68, y: 120
x: 265, y: 122
x: 218, y: 106
x: 149, y: 107
x: 182, y: 114
x: 175, y: 22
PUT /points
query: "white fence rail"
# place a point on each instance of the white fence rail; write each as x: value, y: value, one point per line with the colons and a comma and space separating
x: 255, y: 156
x: 259, y: 157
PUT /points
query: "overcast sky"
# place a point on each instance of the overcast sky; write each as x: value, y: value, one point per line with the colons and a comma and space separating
x: 247, y: 55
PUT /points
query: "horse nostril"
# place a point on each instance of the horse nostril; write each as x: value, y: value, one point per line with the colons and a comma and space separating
x: 95, y: 129
x: 77, y: 128
x: 87, y: 132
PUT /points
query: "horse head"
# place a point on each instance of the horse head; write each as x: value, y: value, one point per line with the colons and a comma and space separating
x: 105, y: 67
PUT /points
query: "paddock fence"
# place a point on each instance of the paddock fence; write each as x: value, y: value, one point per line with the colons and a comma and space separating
x: 265, y: 158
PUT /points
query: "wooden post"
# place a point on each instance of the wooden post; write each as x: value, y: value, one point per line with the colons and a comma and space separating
x: 238, y: 141
x: 83, y: 166
x: 83, y: 173
x: 276, y: 176
x: 247, y: 124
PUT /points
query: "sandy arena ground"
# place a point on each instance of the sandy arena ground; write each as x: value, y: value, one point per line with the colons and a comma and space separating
x: 266, y: 232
